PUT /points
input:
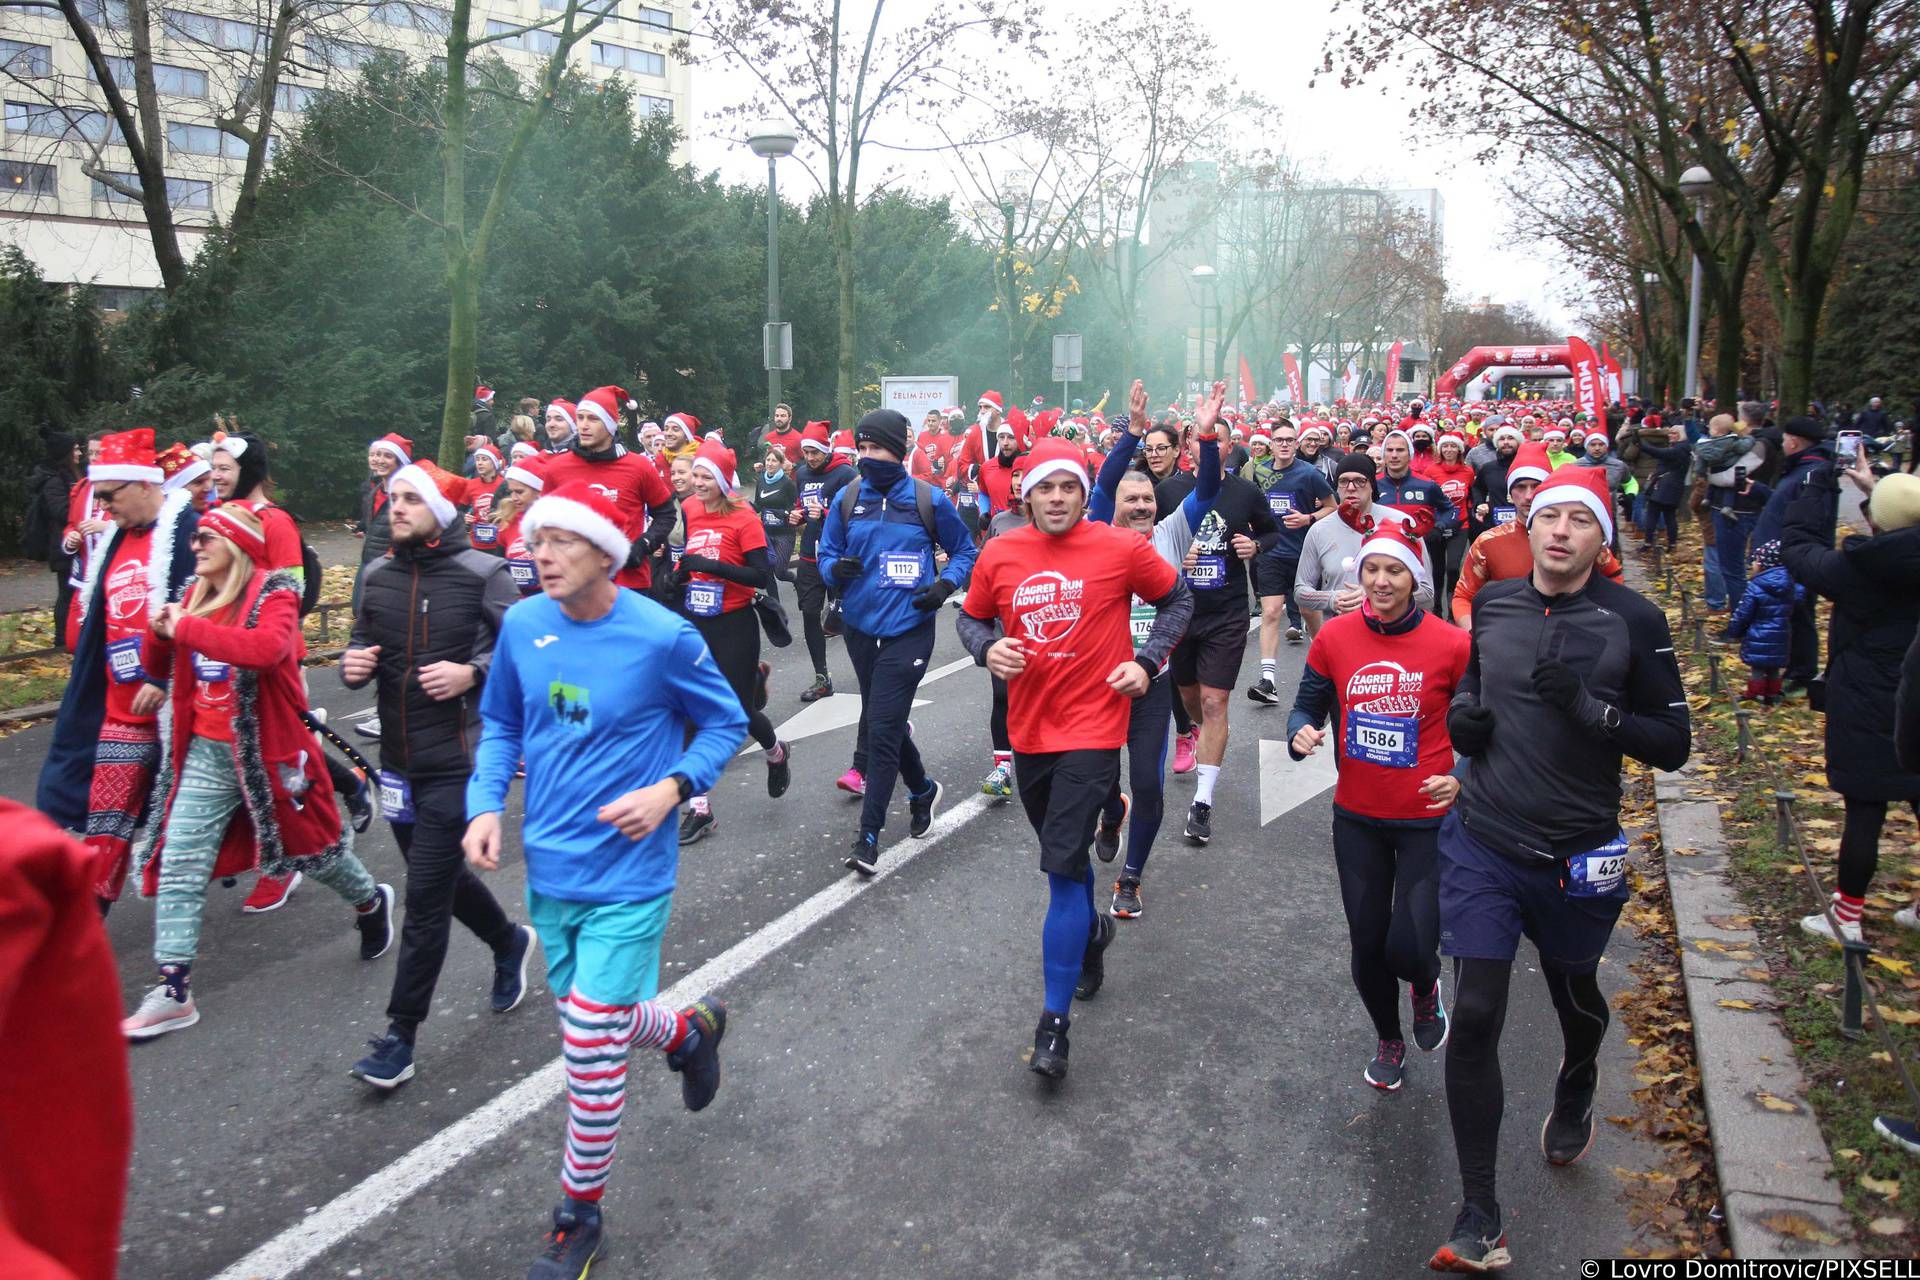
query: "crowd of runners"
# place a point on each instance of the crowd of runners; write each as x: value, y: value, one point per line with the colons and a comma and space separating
x: 581, y: 610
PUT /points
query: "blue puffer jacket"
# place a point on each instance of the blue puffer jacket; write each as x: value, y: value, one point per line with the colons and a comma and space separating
x: 1763, y: 618
x: 884, y: 533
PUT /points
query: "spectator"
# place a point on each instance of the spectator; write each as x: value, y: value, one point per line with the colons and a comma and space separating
x: 1874, y: 584
x: 1630, y: 447
x: 1669, y: 485
x: 481, y: 423
x: 1805, y: 451
x: 1763, y: 621
x: 1872, y: 420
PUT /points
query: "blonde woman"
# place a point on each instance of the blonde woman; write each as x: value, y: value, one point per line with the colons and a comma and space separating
x: 242, y: 777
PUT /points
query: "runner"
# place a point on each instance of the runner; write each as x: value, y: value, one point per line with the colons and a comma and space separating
x: 425, y: 635
x: 819, y: 479
x: 99, y: 769
x: 1387, y: 671
x: 230, y: 798
x: 1455, y: 478
x: 999, y: 780
x: 524, y: 484
x: 1503, y: 551
x: 1569, y: 673
x: 1328, y: 580
x: 774, y: 498
x: 1064, y: 580
x: 878, y: 543
x: 1125, y: 498
x: 1298, y: 495
x: 724, y: 563
x: 598, y: 689
x: 635, y: 485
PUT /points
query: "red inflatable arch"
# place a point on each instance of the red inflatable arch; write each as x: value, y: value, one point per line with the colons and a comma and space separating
x: 1479, y: 358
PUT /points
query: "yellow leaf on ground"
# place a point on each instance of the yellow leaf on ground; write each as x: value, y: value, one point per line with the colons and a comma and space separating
x: 1881, y: 1055
x: 1756, y: 975
x: 1772, y: 1103
x: 1887, y: 1226
x: 1738, y: 1004
x: 1792, y: 1222
x: 1900, y: 1017
x: 1846, y: 1153
x: 1885, y: 1188
x: 1894, y: 966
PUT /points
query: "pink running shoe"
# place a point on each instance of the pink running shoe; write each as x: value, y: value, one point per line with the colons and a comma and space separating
x: 1183, y: 758
x: 852, y: 782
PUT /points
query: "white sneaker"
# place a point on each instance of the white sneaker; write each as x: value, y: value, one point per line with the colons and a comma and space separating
x: 160, y: 1013
x: 1821, y: 927
x: 1908, y: 917
x: 368, y: 728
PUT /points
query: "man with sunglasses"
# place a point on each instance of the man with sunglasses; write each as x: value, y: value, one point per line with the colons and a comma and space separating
x: 1299, y: 496
x: 106, y: 745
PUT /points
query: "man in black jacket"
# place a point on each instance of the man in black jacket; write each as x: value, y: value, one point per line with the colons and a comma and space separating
x: 425, y: 632
x: 1569, y: 673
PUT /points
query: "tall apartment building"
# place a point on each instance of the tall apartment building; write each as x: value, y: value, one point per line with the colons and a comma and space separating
x: 79, y: 229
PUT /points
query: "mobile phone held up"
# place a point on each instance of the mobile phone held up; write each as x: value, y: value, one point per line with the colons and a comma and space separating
x: 1846, y: 447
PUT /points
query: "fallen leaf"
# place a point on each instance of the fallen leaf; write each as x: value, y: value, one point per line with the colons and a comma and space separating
x: 1885, y: 1188
x: 1772, y: 1103
x: 1881, y: 1055
x: 1900, y: 1017
x: 1887, y: 1226
x: 1894, y: 966
x: 1792, y: 1222
x: 1756, y: 975
x: 1847, y: 1153
x: 1731, y: 923
x: 1745, y: 1006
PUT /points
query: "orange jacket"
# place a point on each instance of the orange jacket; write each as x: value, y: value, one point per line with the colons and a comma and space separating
x: 1500, y: 553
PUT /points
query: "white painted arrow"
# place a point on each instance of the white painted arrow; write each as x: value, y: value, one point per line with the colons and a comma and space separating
x: 1286, y: 784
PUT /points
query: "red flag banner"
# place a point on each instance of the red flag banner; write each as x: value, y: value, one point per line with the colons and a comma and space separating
x: 1249, y: 393
x: 1615, y: 391
x: 1294, y: 389
x: 1589, y: 389
x: 1393, y: 373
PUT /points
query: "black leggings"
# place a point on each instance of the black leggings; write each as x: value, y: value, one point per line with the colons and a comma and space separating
x: 1475, y: 1091
x: 1182, y: 722
x: 1860, y: 843
x: 1390, y: 887
x: 734, y: 640
x: 1659, y: 513
x: 997, y: 721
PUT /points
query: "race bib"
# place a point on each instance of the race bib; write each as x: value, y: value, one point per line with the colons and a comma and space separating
x: 123, y: 660
x: 1598, y: 874
x: 1208, y: 572
x: 1140, y: 621
x: 396, y: 797
x: 1390, y: 741
x: 1281, y: 504
x: 522, y: 572
x: 773, y: 518
x: 900, y: 570
x: 211, y: 672
x: 1503, y: 515
x: 810, y: 498
x: 485, y: 535
x: 703, y: 599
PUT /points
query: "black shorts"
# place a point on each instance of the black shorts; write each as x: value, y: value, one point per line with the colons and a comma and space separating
x: 1488, y: 899
x: 1062, y: 792
x: 1273, y: 576
x: 1210, y: 653
x: 809, y: 586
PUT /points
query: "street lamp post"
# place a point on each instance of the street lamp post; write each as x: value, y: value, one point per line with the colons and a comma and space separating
x: 1203, y: 277
x: 772, y: 141
x: 1695, y: 184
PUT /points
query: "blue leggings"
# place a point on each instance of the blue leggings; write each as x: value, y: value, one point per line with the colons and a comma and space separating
x: 1064, y: 937
x: 1147, y: 739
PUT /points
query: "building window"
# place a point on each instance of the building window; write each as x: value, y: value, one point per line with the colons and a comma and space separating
x: 659, y: 19
x: 541, y: 42
x: 181, y: 82
x: 342, y: 55
x: 45, y: 121
x: 286, y: 97
x: 121, y: 297
x: 413, y: 16
x: 638, y: 61
x: 651, y: 106
x: 105, y: 13
x: 220, y: 33
x: 204, y: 140
x: 182, y: 193
x: 25, y: 61
x: 22, y: 178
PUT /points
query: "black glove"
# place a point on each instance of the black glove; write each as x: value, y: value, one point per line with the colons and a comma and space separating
x: 637, y: 555
x: 679, y: 575
x: 1558, y: 685
x: 1471, y: 728
x: 933, y: 595
x: 696, y: 564
x: 847, y: 568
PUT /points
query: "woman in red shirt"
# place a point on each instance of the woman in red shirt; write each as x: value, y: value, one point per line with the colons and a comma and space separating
x: 1388, y: 671
x: 241, y: 781
x: 524, y: 483
x: 482, y: 529
x: 724, y: 562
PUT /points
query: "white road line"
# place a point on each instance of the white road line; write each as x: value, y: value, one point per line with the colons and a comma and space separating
x: 356, y: 1208
x: 1286, y: 784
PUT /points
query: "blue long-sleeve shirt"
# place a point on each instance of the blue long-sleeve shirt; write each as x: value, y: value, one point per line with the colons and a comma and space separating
x: 598, y: 709
x: 895, y: 554
x: 1206, y: 482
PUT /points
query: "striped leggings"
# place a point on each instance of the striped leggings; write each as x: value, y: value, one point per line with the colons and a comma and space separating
x: 209, y: 795
x: 598, y: 1038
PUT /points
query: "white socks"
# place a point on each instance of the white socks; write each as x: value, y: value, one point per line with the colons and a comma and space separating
x: 1203, y: 792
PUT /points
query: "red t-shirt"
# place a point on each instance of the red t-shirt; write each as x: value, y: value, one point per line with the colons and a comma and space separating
x: 629, y: 481
x: 125, y: 602
x: 1400, y: 686
x: 726, y: 538
x: 1068, y: 600
x: 788, y: 440
x: 213, y: 695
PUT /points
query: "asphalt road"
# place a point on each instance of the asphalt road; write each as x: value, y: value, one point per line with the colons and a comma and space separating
x: 876, y: 1118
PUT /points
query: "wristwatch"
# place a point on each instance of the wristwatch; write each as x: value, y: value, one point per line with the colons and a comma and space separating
x: 686, y: 786
x: 1610, y: 718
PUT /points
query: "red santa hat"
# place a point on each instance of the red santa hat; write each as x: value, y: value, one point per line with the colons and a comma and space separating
x: 127, y: 455
x: 991, y: 400
x: 718, y: 461
x: 1584, y: 485
x: 1259, y: 437
x: 522, y: 449
x: 1390, y: 538
x: 1454, y: 437
x: 843, y: 443
x: 180, y: 466
x: 399, y: 446
x: 1529, y: 463
x: 251, y: 543
x: 1053, y: 456
x: 488, y: 450
x: 529, y: 475
x: 567, y: 408
x: 688, y: 424
x: 605, y: 404
x: 819, y: 435
x: 483, y: 394
x: 423, y: 482
x: 579, y: 508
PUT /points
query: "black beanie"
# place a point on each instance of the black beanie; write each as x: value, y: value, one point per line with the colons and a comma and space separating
x: 1354, y: 464
x: 886, y: 428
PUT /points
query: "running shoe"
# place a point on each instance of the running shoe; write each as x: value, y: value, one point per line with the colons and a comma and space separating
x: 780, y: 772
x: 376, y: 926
x: 865, y: 855
x: 760, y: 687
x: 1199, y: 822
x: 1263, y: 692
x: 1295, y: 635
x: 1568, y: 1131
x: 999, y: 782
x: 1050, y: 1047
x: 1126, y: 899
x: 1386, y: 1071
x: 160, y: 1013
x: 699, y: 1062
x: 368, y: 728
x: 1093, y: 962
x: 510, y: 971
x: 921, y: 808
x: 389, y: 1066
x: 695, y: 824
x: 822, y: 687
x: 573, y: 1243
x: 1820, y: 926
x: 830, y: 621
x: 1106, y: 835
x: 270, y: 893
x: 1476, y: 1245
x: 360, y: 805
x: 1908, y: 918
x: 1431, y: 1026
x: 853, y: 782
x: 1184, y: 745
x: 1899, y: 1131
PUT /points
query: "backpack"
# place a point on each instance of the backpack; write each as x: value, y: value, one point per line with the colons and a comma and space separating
x: 310, y: 569
x: 922, y: 501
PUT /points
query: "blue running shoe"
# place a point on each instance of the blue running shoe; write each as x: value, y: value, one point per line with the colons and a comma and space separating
x: 389, y: 1066
x: 573, y: 1243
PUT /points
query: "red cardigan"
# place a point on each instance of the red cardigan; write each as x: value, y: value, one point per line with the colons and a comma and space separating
x: 289, y: 821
